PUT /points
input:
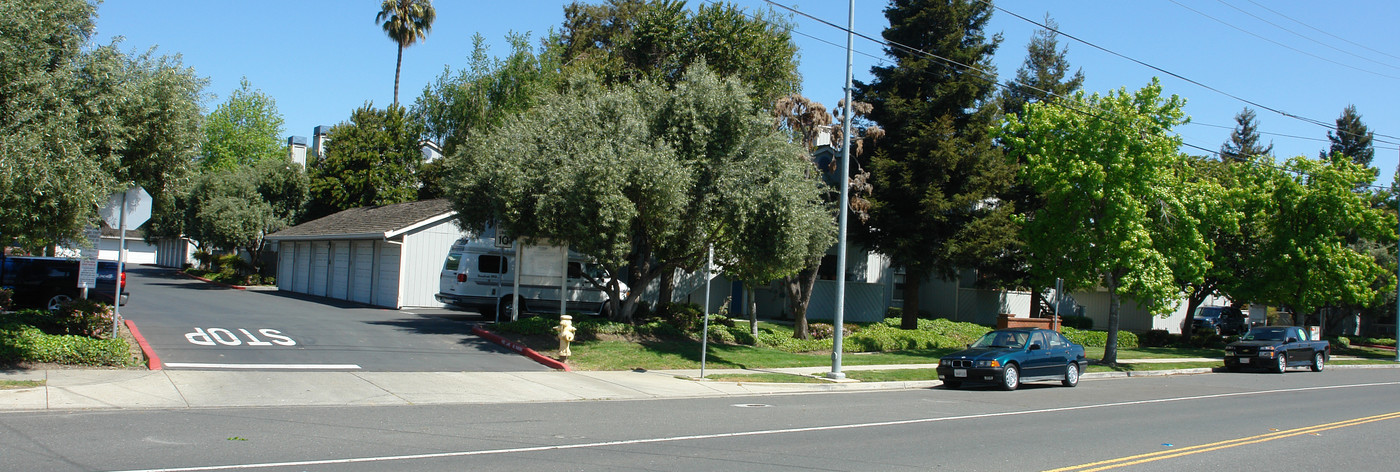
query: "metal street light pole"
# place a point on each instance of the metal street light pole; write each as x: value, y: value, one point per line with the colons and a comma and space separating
x: 836, y: 340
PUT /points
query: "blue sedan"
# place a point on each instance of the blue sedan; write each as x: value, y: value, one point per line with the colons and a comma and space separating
x: 1007, y: 357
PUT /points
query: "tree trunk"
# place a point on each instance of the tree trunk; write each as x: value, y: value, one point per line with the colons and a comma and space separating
x: 909, y: 319
x: 1036, y: 299
x: 753, y: 309
x: 1110, y: 350
x: 799, y: 291
x: 666, y: 292
x: 1193, y: 302
x: 398, y: 67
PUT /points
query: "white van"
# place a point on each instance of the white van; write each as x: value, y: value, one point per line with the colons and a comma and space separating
x: 480, y: 275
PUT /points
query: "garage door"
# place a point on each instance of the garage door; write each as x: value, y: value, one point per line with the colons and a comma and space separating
x: 320, y: 262
x: 301, y: 272
x: 362, y: 271
x: 386, y: 293
x: 286, y: 259
x: 340, y: 269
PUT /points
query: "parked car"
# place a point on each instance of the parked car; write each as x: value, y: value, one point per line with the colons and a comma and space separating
x: 47, y: 282
x: 1221, y: 320
x: 1007, y: 357
x: 1277, y: 348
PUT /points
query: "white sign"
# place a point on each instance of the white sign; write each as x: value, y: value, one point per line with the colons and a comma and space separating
x: 87, y: 268
x: 221, y: 336
x: 134, y: 202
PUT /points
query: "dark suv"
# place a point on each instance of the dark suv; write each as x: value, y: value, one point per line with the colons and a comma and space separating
x: 1221, y: 320
x: 47, y: 282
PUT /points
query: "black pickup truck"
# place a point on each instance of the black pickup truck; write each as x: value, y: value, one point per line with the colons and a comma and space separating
x: 47, y: 282
x: 1277, y: 348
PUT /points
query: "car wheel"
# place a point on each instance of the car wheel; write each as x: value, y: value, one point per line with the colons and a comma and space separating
x: 504, y: 309
x: 57, y: 301
x: 952, y: 384
x: 1010, y: 378
x: 1282, y: 363
x: 1071, y: 375
x: 1318, y: 360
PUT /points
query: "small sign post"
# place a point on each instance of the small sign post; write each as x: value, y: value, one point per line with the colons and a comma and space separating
x: 129, y: 209
x: 87, y: 267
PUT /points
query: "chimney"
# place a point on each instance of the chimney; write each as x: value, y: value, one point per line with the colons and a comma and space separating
x: 296, y: 149
x: 318, y: 141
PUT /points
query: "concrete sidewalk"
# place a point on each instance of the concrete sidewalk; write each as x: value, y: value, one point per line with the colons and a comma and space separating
x: 69, y: 389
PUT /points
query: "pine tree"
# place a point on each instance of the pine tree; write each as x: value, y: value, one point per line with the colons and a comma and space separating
x: 1244, y: 144
x: 1352, y: 138
x: 1043, y: 76
x: 937, y: 169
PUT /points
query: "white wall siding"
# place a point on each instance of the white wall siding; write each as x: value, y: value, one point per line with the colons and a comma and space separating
x: 286, y: 265
x: 386, y: 275
x: 340, y: 270
x: 362, y: 271
x: 320, y: 266
x: 423, y: 253
x: 174, y: 252
x: 301, y: 275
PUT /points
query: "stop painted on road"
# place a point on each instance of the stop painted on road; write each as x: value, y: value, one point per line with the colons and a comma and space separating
x: 227, y: 337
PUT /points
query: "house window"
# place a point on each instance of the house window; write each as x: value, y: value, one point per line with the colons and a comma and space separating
x: 898, y: 279
x: 827, y: 271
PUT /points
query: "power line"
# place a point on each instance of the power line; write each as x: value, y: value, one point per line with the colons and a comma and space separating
x: 1309, y: 38
x: 1363, y: 46
x: 1285, y: 46
x: 1062, y: 103
x: 1309, y: 138
x: 1173, y: 74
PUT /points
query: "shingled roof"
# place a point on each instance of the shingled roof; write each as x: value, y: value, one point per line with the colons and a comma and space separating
x: 376, y: 222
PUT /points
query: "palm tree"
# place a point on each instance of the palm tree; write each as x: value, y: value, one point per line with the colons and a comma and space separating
x: 406, y: 22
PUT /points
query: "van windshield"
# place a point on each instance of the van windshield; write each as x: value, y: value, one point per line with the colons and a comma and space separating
x: 454, y: 259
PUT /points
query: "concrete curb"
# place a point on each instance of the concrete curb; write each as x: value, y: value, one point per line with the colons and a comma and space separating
x: 152, y: 360
x: 521, y: 348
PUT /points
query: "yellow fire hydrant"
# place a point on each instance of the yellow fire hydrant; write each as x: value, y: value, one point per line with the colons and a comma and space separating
x: 566, y: 335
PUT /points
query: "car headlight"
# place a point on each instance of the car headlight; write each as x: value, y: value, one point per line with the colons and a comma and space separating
x: 991, y: 363
x: 1229, y: 350
x: 1266, y: 348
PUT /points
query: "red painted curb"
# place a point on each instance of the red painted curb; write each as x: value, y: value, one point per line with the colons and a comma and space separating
x: 520, y: 348
x: 152, y: 360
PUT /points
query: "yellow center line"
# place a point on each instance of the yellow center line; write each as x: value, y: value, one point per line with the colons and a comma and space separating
x: 1156, y: 456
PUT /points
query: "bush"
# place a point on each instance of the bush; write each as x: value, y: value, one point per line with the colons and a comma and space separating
x: 1376, y: 341
x: 827, y: 330
x: 1077, y: 322
x: 6, y: 297
x: 1203, y: 338
x: 22, y: 343
x: 85, y: 318
x: 1344, y: 342
x: 1157, y: 338
x: 894, y: 312
x: 683, y: 316
x: 1126, y: 339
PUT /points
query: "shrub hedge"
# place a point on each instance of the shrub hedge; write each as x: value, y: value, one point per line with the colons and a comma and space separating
x: 23, y: 343
x: 1126, y: 339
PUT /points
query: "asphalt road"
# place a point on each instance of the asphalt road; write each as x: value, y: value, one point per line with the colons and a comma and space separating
x: 193, y: 324
x: 1334, y: 420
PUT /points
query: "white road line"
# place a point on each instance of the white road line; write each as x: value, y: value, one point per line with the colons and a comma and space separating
x: 559, y: 447
x: 197, y: 365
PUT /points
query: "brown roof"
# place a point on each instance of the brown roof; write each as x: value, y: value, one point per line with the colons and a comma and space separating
x: 370, y: 222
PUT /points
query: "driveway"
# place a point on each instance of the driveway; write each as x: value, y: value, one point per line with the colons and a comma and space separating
x: 196, y: 325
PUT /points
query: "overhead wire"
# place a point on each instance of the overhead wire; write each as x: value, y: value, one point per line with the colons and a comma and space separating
x: 1063, y: 103
x: 1314, y: 28
x: 1306, y: 37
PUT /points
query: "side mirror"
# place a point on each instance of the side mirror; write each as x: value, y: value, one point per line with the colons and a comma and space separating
x: 1035, y: 347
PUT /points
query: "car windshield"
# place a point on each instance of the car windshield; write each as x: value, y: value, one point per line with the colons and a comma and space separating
x: 1003, y: 339
x: 1206, y: 312
x: 1258, y: 334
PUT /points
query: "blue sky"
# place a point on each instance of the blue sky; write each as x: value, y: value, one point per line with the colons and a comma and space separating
x: 321, y: 59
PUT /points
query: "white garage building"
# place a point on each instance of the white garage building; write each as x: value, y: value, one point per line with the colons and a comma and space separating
x: 388, y: 256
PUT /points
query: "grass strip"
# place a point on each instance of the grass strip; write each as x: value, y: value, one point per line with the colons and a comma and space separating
x: 19, y: 384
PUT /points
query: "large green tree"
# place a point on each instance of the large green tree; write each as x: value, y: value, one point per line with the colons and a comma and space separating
x: 372, y: 159
x: 1043, y: 78
x: 657, y: 175
x: 79, y: 121
x: 1114, y: 215
x: 658, y: 40
x: 1244, y: 144
x: 935, y: 173
x: 405, y: 22
x: 1308, y: 260
x: 234, y: 209
x: 243, y: 130
x: 1352, y: 138
x: 486, y: 92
